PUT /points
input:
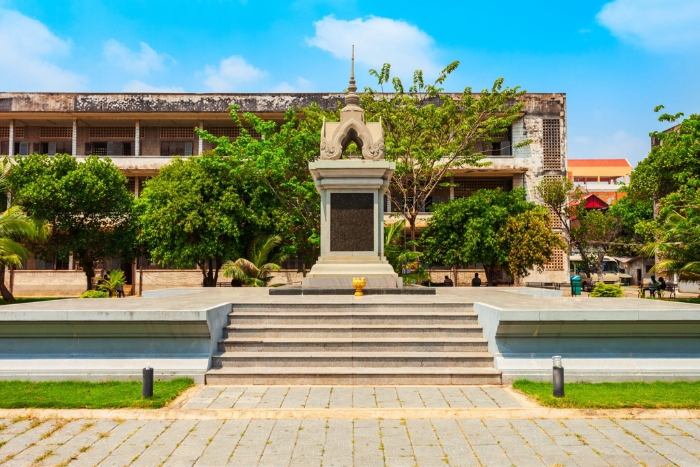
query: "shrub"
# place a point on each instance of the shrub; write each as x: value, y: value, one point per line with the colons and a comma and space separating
x: 94, y: 294
x: 607, y: 290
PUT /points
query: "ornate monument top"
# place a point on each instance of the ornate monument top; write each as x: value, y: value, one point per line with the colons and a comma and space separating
x: 352, y: 128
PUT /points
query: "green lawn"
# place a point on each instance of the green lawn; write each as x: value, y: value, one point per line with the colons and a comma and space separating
x: 657, y: 395
x: 31, y: 299
x: 85, y: 395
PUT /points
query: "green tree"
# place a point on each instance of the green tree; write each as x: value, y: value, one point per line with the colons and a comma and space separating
x: 15, y: 228
x: 277, y: 158
x: 594, y: 232
x: 677, y: 232
x: 200, y: 211
x: 475, y: 230
x: 86, y: 205
x: 671, y: 163
x: 428, y: 133
x: 394, y: 246
x: 264, y: 257
x: 630, y: 211
x: 114, y: 280
x: 529, y: 241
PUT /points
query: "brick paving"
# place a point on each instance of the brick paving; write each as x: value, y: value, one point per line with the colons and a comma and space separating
x: 340, y: 397
x: 345, y: 442
x: 211, y: 439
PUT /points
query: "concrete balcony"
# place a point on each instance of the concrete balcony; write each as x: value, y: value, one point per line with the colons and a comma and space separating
x: 137, y: 165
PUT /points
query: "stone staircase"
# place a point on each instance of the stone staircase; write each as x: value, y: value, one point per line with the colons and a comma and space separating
x: 353, y: 344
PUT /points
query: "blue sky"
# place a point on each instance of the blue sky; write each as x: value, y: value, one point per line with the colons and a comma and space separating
x: 615, y: 59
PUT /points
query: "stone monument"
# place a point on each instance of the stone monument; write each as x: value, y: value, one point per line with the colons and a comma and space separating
x: 352, y: 201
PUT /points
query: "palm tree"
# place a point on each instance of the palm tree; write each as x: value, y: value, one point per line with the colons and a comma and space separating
x: 679, y: 247
x: 395, y: 254
x: 256, y: 270
x: 114, y: 280
x: 15, y: 227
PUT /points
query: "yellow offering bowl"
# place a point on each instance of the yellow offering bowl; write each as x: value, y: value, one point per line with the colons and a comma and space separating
x: 358, y: 283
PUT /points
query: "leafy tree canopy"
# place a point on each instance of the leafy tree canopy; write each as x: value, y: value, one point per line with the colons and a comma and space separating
x: 278, y: 160
x: 672, y: 163
x: 488, y: 228
x: 201, y: 211
x: 87, y: 206
x: 428, y: 133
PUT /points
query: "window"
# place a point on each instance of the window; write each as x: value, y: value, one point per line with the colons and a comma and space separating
x: 169, y: 132
x: 466, y: 186
x: 58, y: 132
x: 108, y: 148
x: 106, y: 132
x: 22, y: 148
x: 551, y: 144
x: 176, y: 148
x: 498, y: 145
x: 53, y: 148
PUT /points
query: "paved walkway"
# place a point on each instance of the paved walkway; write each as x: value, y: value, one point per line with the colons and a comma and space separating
x: 339, y: 426
x: 342, y: 397
x: 345, y: 442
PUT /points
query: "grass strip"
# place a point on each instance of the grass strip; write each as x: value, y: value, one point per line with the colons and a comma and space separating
x: 656, y: 395
x: 87, y: 395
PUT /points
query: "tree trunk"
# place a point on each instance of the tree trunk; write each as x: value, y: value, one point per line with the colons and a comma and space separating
x: 89, y: 274
x: 412, y: 223
x: 209, y: 277
x: 454, y: 273
x: 303, y: 269
x: 6, y: 294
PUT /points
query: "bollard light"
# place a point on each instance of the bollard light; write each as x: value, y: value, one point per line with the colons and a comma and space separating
x: 147, y: 383
x: 557, y: 377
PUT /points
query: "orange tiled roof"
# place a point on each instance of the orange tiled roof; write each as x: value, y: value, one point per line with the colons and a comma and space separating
x: 598, y: 163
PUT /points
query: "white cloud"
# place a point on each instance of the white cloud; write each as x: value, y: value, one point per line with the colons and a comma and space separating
x: 301, y: 85
x: 139, y: 86
x: 654, y: 24
x: 378, y: 41
x: 26, y: 45
x: 232, y: 74
x: 118, y: 55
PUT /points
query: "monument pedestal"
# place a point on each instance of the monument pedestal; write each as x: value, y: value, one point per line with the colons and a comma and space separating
x: 352, y: 224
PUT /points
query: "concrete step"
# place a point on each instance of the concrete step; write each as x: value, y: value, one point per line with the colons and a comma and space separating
x: 355, y: 344
x: 354, y: 307
x: 353, y: 376
x: 353, y: 359
x: 360, y: 317
x: 353, y: 330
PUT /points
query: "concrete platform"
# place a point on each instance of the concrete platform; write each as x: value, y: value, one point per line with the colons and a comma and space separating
x: 180, y: 332
x: 301, y: 290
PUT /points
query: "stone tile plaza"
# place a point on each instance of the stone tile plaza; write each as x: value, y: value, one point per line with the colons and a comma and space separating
x: 285, y: 234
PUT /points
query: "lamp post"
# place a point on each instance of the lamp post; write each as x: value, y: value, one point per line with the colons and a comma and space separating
x: 557, y: 377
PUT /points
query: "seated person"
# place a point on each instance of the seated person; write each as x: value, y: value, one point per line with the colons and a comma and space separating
x: 662, y: 284
x: 448, y: 282
x: 476, y: 282
x: 653, y: 286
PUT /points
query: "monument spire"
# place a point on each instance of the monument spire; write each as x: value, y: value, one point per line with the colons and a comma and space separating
x: 351, y: 97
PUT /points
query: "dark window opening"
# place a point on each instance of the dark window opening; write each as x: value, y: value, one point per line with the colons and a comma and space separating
x: 176, y: 148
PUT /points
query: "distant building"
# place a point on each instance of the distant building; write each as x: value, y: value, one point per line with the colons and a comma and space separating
x: 602, y: 177
x: 141, y: 133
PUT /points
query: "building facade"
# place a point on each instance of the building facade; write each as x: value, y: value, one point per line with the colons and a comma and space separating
x: 141, y: 133
x: 601, y: 177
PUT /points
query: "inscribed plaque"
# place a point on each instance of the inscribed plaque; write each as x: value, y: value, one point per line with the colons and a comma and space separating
x: 352, y: 222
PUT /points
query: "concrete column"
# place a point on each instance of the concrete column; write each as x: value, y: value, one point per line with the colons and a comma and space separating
x: 11, y: 149
x: 137, y: 138
x: 74, y: 145
x: 201, y: 142
x: 452, y: 189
